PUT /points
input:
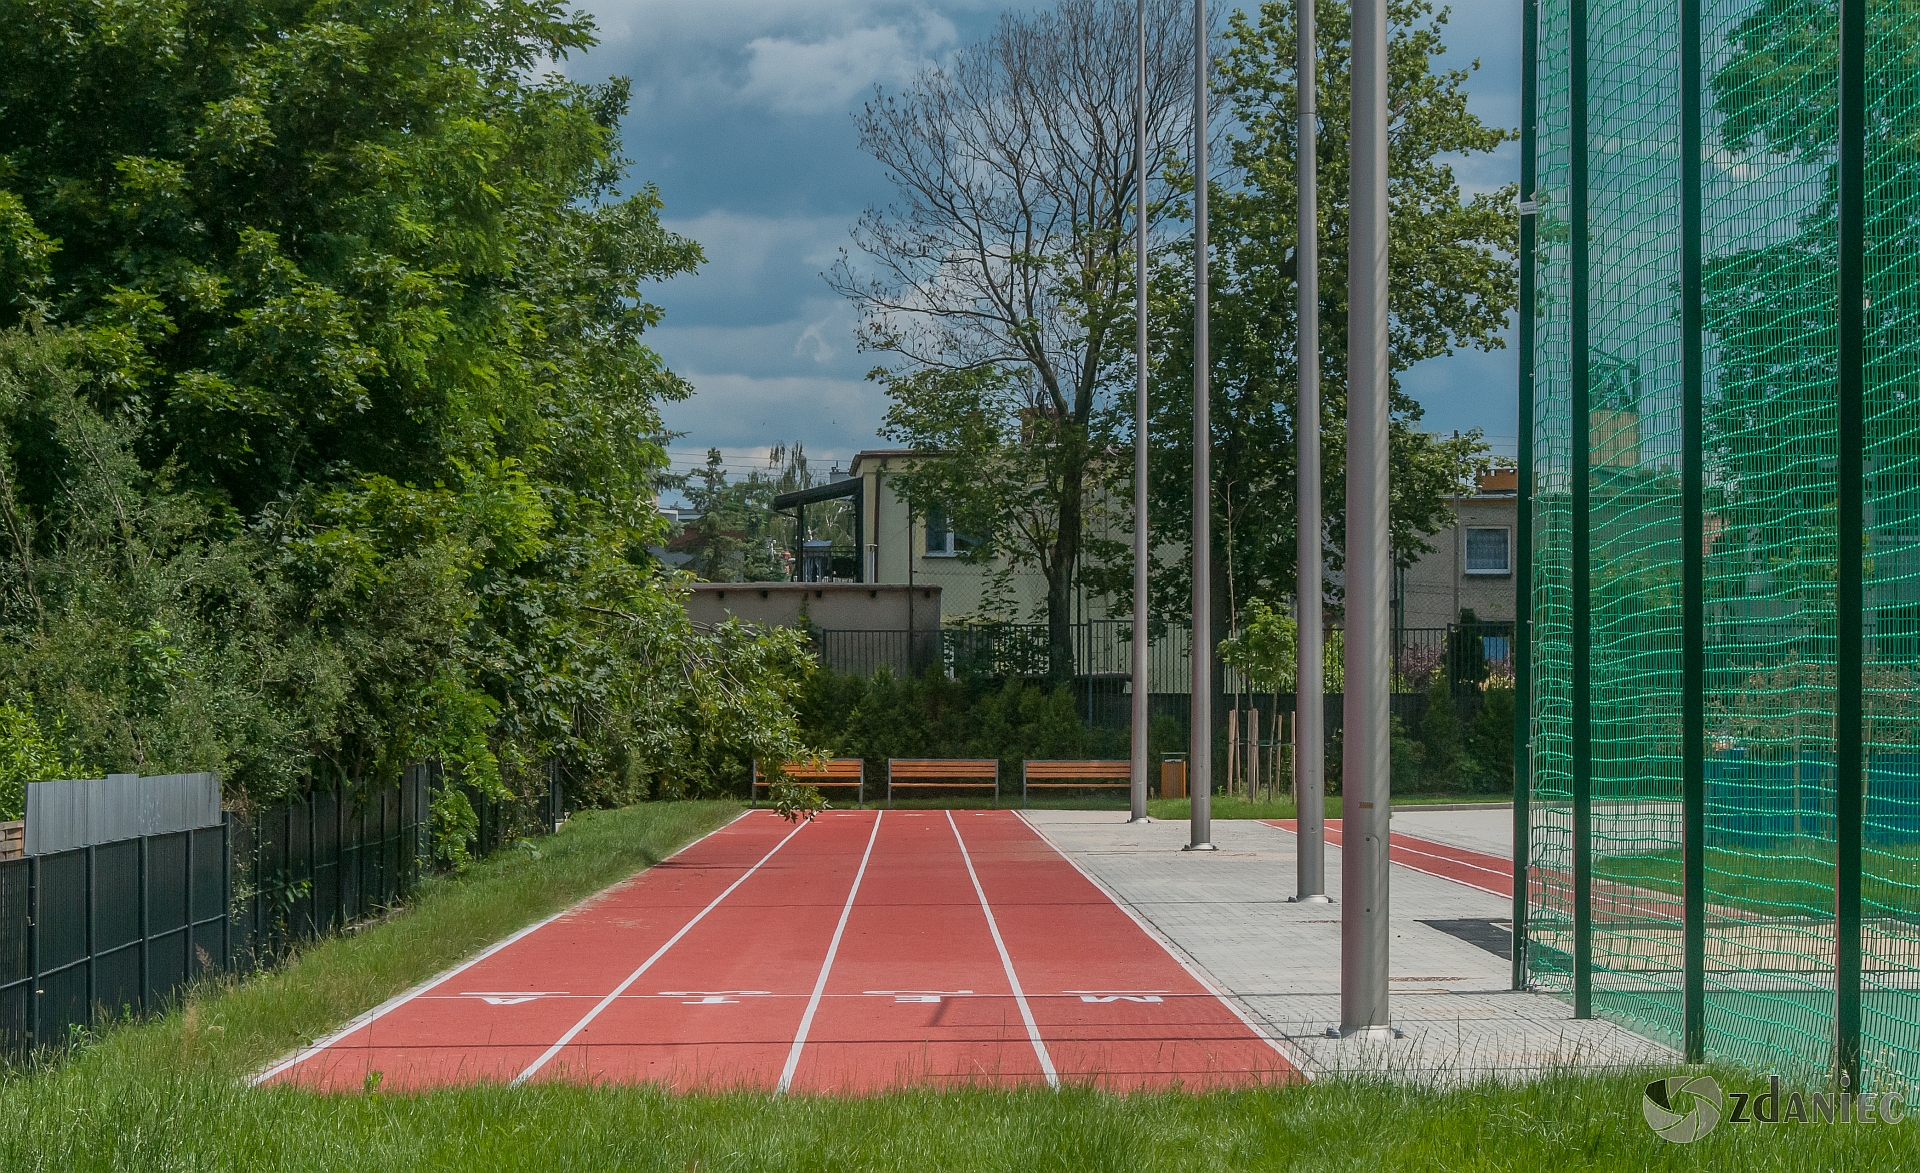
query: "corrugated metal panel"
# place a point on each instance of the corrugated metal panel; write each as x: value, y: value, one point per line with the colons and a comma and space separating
x: 69, y: 814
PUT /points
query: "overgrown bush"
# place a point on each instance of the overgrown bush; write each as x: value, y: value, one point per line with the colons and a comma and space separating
x: 28, y: 753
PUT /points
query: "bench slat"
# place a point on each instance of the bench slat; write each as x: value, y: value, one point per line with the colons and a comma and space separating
x: 943, y: 768
x: 834, y: 768
x: 844, y: 784
x: 1091, y: 769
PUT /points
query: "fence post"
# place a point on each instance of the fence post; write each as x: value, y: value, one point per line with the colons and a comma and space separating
x: 33, y: 951
x: 186, y: 962
x: 1850, y: 599
x: 1582, y: 427
x: 1693, y: 822
x: 146, y: 969
x: 1523, y: 499
x: 226, y: 890
x: 91, y: 917
x: 340, y: 855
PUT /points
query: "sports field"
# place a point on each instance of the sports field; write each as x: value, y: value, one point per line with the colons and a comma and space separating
x: 861, y: 951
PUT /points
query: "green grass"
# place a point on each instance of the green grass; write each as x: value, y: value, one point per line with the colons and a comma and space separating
x: 170, y: 1094
x: 1788, y: 878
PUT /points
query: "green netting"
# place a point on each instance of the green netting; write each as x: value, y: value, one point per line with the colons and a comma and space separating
x: 1633, y: 466
x: 1890, y: 913
x: 1769, y: 289
x: 1549, y: 848
x: 1770, y: 352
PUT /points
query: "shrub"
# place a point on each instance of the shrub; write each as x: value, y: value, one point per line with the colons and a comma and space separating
x: 27, y: 754
x: 1490, y: 742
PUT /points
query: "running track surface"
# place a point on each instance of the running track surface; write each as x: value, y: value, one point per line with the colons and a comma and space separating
x: 1475, y: 869
x: 862, y: 951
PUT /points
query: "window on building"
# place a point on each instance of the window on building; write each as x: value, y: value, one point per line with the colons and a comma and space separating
x: 1489, y: 550
x: 942, y: 541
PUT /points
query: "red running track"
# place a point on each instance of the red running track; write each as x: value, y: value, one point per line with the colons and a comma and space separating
x: 1475, y: 869
x: 862, y: 951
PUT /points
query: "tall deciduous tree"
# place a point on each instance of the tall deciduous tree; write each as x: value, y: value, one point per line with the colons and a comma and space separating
x: 1000, y: 285
x: 328, y: 438
x: 1452, y: 278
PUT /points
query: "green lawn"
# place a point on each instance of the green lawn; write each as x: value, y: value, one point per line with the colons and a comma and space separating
x: 1791, y: 878
x: 170, y: 1094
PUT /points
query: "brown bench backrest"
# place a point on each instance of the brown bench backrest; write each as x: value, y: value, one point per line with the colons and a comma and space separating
x: 832, y: 768
x: 943, y: 768
x: 1063, y: 769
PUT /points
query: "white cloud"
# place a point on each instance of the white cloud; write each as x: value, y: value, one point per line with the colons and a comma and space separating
x: 830, y: 416
x: 799, y: 77
x: 799, y: 57
x: 745, y: 252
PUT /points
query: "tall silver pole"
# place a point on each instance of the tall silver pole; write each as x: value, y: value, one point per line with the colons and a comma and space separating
x: 1200, y: 739
x: 1366, y: 760
x: 1141, y: 684
x: 1309, y: 709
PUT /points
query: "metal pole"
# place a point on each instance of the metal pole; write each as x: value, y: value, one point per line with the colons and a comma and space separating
x: 1693, y: 653
x: 1580, y: 654
x: 1850, y: 593
x: 1141, y: 684
x: 1523, y: 504
x: 1309, y: 708
x: 1200, y: 736
x: 1366, y: 762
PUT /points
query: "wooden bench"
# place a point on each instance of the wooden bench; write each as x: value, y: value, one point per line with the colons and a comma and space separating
x: 841, y: 772
x: 1061, y: 775
x: 943, y: 774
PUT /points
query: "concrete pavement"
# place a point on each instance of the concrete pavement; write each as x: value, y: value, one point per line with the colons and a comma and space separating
x: 1226, y: 913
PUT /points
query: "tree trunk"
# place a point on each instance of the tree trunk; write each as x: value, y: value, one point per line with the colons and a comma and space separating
x: 1066, y: 556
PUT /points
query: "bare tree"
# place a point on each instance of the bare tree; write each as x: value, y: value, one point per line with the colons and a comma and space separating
x: 1008, y: 255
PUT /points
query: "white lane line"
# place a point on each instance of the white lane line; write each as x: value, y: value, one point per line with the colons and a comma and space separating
x: 820, y: 983
x: 1295, y: 1057
x: 444, y: 976
x: 633, y: 977
x: 1019, y: 995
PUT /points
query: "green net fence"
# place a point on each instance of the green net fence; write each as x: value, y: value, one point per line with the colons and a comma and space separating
x: 1607, y: 451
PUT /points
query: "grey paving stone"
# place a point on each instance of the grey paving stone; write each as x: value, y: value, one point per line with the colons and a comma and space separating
x: 1226, y: 913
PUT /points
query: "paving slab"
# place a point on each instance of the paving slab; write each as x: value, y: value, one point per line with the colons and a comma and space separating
x: 1489, y: 830
x: 1226, y: 913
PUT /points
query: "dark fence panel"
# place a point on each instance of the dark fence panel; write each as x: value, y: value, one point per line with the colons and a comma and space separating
x: 117, y: 929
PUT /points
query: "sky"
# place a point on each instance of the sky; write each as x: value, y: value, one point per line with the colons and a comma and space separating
x: 742, y: 116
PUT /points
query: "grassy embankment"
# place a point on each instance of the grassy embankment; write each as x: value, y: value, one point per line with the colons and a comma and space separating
x: 170, y: 1094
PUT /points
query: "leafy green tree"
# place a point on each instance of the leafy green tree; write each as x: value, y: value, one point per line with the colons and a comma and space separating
x: 1452, y: 277
x: 328, y: 438
x: 1002, y: 275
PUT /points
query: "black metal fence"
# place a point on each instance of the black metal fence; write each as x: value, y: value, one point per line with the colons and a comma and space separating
x: 118, y: 929
x: 304, y: 868
x: 1103, y: 653
x: 115, y: 927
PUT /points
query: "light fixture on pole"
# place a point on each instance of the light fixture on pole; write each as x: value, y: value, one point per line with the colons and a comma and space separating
x: 1366, y: 758
x: 1200, y: 733
x: 1141, y: 685
x: 1309, y: 709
